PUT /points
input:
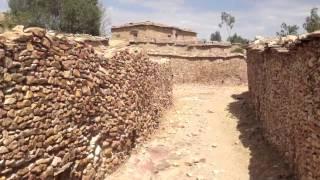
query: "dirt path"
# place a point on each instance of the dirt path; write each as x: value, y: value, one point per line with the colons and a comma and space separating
x: 208, y: 134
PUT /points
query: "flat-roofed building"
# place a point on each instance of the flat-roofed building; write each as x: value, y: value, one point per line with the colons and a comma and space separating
x: 152, y: 32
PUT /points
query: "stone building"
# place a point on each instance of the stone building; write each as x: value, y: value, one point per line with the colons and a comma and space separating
x: 152, y: 32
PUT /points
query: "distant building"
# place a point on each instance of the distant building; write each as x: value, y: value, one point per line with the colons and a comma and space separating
x: 152, y: 32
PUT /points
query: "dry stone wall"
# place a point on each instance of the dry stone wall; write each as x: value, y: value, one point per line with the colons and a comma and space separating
x: 217, y: 71
x: 284, y: 79
x: 187, y: 50
x: 68, y: 113
x: 200, y: 63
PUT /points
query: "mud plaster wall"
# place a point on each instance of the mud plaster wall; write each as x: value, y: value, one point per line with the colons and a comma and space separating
x: 152, y: 34
x: 285, y: 93
x: 67, y: 113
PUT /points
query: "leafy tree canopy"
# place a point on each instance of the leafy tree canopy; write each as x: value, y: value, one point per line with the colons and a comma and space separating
x: 227, y: 20
x: 237, y: 39
x: 313, y: 21
x: 288, y: 30
x: 71, y: 16
x: 216, y: 36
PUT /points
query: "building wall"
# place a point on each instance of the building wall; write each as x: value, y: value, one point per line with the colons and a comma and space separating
x: 169, y: 34
x: 153, y: 34
x: 186, y: 36
x: 125, y: 33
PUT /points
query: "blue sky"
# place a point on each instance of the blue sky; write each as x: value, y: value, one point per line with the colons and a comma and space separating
x: 253, y: 17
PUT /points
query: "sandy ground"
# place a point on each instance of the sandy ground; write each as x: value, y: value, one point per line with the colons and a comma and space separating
x: 209, y: 134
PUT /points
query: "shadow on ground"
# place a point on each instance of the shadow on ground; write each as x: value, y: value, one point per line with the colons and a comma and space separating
x: 265, y: 162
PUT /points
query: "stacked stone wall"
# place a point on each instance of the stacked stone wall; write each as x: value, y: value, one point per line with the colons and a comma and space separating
x: 68, y: 113
x: 217, y: 71
x: 206, y: 63
x: 284, y: 90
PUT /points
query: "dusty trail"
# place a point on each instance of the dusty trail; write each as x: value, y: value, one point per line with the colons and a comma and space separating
x: 209, y: 134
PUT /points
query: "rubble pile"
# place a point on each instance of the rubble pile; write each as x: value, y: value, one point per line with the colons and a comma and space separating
x: 68, y: 113
x: 284, y: 79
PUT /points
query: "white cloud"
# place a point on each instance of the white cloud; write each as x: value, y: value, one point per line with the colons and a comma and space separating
x: 264, y: 17
x: 260, y: 18
x: 175, y: 15
x: 157, y: 5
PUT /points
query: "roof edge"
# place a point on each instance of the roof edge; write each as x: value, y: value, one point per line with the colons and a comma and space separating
x: 149, y: 23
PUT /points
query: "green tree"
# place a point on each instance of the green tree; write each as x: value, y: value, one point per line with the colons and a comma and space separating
x: 313, y: 21
x: 237, y: 39
x: 228, y: 21
x: 81, y: 16
x: 28, y: 13
x: 216, y: 36
x: 72, y: 16
x: 288, y: 30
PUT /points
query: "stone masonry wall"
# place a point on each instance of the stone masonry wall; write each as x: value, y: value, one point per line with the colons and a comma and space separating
x: 191, y: 50
x: 219, y: 71
x: 152, y: 33
x: 200, y: 63
x: 284, y: 79
x: 68, y: 113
